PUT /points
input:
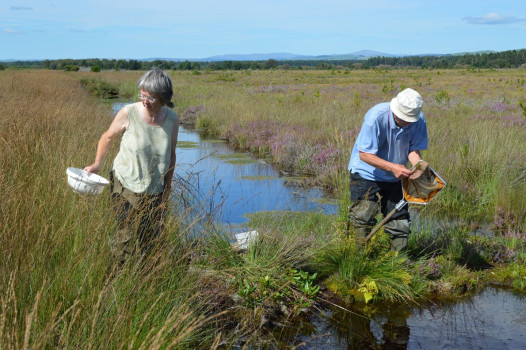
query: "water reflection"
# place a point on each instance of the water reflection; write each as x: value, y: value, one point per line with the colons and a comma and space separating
x: 492, y: 319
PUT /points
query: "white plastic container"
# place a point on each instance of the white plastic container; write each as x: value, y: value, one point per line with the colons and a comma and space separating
x: 82, y: 183
x: 243, y: 239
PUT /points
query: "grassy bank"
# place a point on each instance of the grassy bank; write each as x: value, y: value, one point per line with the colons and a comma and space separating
x: 60, y: 288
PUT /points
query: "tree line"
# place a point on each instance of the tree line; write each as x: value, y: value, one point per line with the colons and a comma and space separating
x: 504, y: 59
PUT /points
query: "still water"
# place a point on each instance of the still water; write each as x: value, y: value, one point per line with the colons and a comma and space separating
x: 237, y: 184
x: 492, y: 319
x: 226, y: 185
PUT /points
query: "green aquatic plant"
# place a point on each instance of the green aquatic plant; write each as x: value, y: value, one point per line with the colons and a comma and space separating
x: 258, y: 177
x: 306, y: 282
x: 236, y: 158
x: 518, y: 276
x: 187, y: 144
x: 241, y: 161
x: 376, y: 275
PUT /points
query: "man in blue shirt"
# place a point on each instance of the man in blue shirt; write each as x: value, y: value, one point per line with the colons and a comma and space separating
x: 392, y: 135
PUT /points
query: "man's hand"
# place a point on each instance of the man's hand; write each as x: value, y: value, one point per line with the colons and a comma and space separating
x: 419, y: 169
x: 401, y: 172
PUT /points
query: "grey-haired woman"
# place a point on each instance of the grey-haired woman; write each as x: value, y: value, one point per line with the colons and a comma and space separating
x: 143, y: 169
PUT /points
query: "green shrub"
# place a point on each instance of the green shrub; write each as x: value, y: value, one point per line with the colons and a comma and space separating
x: 228, y: 77
x: 100, y: 88
x: 71, y: 68
x: 523, y: 107
x: 442, y: 97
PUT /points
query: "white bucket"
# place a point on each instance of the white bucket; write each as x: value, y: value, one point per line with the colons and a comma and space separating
x: 82, y: 183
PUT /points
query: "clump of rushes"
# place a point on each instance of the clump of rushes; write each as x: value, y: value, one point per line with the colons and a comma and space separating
x: 273, y: 279
x: 261, y: 285
x: 367, y: 274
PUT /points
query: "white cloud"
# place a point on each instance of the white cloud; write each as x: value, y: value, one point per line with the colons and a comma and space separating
x: 493, y: 18
x: 12, y: 31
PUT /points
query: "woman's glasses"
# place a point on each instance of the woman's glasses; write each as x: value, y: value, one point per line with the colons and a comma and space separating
x: 147, y: 98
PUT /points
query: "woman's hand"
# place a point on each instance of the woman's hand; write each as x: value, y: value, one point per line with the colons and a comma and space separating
x: 93, y: 168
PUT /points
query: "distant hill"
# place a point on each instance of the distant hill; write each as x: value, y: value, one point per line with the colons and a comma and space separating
x: 477, y: 59
x: 286, y: 56
x: 282, y: 56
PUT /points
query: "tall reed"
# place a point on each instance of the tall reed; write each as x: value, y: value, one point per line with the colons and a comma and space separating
x: 59, y: 287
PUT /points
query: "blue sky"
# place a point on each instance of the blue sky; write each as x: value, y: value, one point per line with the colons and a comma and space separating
x: 133, y: 29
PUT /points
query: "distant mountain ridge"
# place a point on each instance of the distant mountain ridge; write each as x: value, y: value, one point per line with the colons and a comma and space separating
x: 286, y: 56
x: 281, y: 56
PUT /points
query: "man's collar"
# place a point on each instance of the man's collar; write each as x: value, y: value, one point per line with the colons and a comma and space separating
x: 391, y: 121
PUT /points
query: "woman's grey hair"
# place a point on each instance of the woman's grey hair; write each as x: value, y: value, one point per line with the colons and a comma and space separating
x: 157, y: 82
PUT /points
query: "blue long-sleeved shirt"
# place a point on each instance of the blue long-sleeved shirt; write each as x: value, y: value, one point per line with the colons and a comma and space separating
x: 382, y: 137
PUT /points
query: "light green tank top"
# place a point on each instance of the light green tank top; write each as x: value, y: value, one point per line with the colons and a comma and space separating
x: 144, y: 154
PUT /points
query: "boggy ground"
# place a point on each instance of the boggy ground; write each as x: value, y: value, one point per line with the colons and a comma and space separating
x: 60, y: 288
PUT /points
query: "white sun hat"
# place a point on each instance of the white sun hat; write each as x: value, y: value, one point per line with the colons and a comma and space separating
x: 82, y: 183
x: 407, y: 105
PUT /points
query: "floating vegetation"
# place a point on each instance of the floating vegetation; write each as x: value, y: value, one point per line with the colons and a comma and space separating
x: 293, y: 179
x: 187, y: 144
x: 241, y: 161
x: 258, y: 177
x: 324, y: 200
x: 236, y: 158
x: 215, y: 140
x: 231, y: 156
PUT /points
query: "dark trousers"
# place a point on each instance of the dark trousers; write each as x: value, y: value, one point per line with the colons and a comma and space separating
x: 369, y: 198
x: 138, y: 218
x: 386, y: 194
